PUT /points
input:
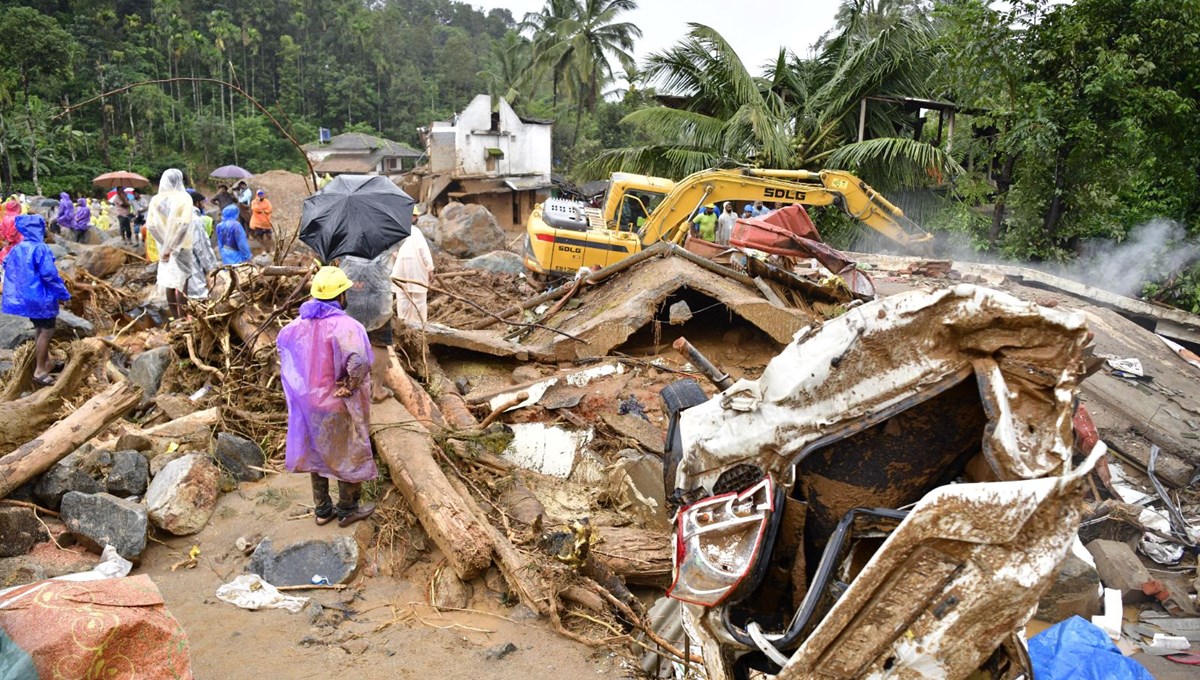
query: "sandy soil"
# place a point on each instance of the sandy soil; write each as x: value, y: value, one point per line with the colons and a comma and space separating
x: 385, y: 630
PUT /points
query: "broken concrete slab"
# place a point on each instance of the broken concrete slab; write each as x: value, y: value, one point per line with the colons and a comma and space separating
x: 548, y: 449
x: 636, y: 430
x: 239, y: 457
x: 336, y: 559
x: 183, y: 496
x: 609, y: 314
x: 484, y: 342
x: 129, y: 475
x: 102, y: 519
x: 1119, y: 568
x: 19, y: 531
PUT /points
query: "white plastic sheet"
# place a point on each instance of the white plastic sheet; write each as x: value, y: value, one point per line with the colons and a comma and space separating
x: 249, y: 591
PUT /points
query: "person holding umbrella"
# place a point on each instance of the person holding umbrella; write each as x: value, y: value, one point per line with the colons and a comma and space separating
x: 260, y: 221
x: 325, y: 359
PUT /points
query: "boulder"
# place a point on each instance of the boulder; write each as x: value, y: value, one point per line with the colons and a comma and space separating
x: 59, y: 251
x: 498, y: 261
x: 129, y: 475
x: 68, y: 326
x: 175, y: 405
x: 147, y: 371
x: 101, y: 261
x: 238, y: 457
x: 525, y: 373
x: 63, y: 478
x: 1075, y: 592
x: 336, y: 559
x: 184, y: 494
x: 430, y: 229
x: 469, y: 230
x: 102, y: 519
x: 19, y: 530
x: 448, y: 590
x: 40, y: 565
x: 14, y: 331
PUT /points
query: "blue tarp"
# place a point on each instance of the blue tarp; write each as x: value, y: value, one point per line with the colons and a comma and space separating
x: 1076, y: 649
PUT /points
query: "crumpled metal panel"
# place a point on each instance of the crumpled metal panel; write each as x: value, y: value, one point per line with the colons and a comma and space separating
x: 969, y: 563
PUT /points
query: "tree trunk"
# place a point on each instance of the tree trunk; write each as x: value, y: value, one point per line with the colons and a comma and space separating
x: 33, y: 141
x: 1003, y: 183
x: 1058, y: 201
x: 68, y: 434
x: 22, y: 419
x: 407, y: 449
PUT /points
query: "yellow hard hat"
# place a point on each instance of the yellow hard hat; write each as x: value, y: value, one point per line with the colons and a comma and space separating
x: 329, y: 283
x: 710, y: 206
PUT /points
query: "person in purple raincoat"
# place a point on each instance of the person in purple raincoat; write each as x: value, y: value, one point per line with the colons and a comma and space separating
x: 65, y: 218
x: 82, y: 219
x: 325, y: 366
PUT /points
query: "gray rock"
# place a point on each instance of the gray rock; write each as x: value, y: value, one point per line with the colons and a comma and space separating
x: 19, y: 530
x: 1075, y: 592
x: 14, y: 331
x: 499, y: 261
x: 69, y: 326
x: 430, y: 229
x: 160, y: 461
x: 238, y: 456
x: 133, y: 442
x: 15, y: 571
x: 102, y: 262
x: 184, y: 494
x: 147, y: 371
x: 469, y: 230
x: 499, y: 651
x: 62, y: 479
x: 449, y: 590
x: 59, y: 251
x: 102, y: 519
x: 337, y: 559
x: 525, y: 373
x: 129, y: 475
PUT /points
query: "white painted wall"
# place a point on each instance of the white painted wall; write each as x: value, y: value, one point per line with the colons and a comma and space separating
x: 526, y: 146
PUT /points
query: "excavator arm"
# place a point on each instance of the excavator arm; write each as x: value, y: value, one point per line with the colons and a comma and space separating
x: 670, y: 220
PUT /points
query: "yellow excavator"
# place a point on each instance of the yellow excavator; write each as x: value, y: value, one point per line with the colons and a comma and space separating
x: 562, y: 235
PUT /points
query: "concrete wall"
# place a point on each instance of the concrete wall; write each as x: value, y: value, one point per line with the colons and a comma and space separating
x: 526, y: 147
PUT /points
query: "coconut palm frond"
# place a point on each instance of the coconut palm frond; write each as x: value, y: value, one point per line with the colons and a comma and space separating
x: 895, y: 161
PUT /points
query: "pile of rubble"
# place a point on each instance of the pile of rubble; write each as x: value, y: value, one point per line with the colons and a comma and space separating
x: 523, y: 430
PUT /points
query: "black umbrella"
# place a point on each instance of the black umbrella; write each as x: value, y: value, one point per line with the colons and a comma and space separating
x: 357, y: 215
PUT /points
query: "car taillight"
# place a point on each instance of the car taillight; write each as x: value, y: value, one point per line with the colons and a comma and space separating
x: 716, y: 541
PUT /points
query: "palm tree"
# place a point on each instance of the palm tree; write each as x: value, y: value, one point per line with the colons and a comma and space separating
x: 801, y: 114
x: 508, y: 61
x: 576, y: 41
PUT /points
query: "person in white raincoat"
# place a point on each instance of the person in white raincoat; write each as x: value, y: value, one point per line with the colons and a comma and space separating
x: 414, y: 263
x: 169, y: 221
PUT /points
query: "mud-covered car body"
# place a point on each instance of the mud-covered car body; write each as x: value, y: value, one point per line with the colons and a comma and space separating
x: 889, y: 499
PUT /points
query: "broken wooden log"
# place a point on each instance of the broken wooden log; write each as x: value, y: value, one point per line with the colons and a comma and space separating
x: 519, y: 571
x: 25, y: 418
x: 406, y: 446
x: 36, y: 456
x: 409, y: 393
x: 453, y: 406
x: 640, y: 556
x: 284, y: 270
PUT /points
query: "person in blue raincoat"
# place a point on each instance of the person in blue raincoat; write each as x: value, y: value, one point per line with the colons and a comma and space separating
x: 231, y: 237
x: 33, y: 289
x: 66, y: 213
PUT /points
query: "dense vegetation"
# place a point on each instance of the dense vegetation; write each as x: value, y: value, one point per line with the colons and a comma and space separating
x: 1076, y: 122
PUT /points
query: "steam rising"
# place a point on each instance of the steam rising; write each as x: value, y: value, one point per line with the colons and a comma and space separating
x: 1150, y: 252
